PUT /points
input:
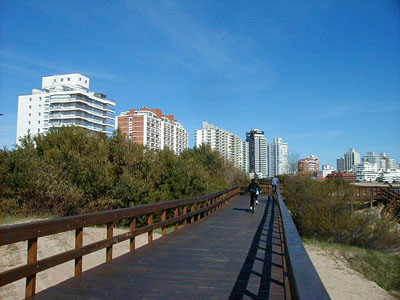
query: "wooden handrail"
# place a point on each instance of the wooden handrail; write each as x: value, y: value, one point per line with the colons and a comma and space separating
x: 304, y: 281
x: 32, y: 231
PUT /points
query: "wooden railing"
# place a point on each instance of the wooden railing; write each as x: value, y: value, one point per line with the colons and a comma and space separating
x: 185, y: 211
x: 304, y: 281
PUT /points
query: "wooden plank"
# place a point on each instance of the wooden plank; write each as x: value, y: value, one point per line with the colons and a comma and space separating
x: 164, y: 218
x: 78, y: 244
x: 31, y: 258
x: 132, y: 228
x: 150, y: 221
x: 176, y: 214
x: 110, y: 233
x: 44, y: 264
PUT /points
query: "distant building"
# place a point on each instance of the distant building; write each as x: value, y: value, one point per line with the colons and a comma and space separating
x: 229, y: 145
x: 390, y: 176
x: 388, y: 163
x: 257, y: 152
x: 64, y: 100
x: 349, y: 176
x: 351, y: 158
x: 371, y: 157
x: 278, y: 158
x: 325, y: 171
x: 153, y: 129
x: 309, y: 165
x: 366, y: 171
x: 340, y: 164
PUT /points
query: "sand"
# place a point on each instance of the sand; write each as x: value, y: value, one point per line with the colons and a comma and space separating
x: 340, y: 281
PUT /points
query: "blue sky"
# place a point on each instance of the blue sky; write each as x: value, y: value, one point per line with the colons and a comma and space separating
x: 323, y: 75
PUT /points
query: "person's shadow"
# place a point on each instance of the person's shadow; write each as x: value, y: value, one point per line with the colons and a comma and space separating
x: 240, y: 288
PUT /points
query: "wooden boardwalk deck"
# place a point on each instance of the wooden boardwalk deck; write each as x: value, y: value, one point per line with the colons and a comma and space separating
x: 231, y: 254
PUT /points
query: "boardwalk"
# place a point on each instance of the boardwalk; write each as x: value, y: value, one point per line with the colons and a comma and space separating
x: 232, y: 254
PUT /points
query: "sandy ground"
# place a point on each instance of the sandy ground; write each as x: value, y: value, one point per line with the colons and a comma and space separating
x: 340, y: 281
x: 15, y: 255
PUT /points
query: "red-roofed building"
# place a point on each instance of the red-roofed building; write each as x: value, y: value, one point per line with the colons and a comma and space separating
x: 309, y: 165
x: 151, y: 128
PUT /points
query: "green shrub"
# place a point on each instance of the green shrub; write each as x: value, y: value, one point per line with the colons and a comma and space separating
x: 71, y: 171
x: 324, y: 211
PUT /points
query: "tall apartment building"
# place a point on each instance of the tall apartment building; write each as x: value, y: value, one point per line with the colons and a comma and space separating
x: 64, y: 100
x: 309, y: 165
x: 351, y: 158
x: 387, y: 162
x: 340, y: 164
x: 371, y: 157
x: 278, y: 159
x: 257, y: 153
x: 229, y: 145
x: 153, y: 129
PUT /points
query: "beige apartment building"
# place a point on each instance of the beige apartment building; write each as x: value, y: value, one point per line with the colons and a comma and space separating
x: 151, y: 128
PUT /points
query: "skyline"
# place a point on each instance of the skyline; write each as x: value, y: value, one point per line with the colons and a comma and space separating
x: 322, y: 76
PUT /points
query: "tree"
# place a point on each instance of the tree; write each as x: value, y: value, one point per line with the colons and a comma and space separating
x: 293, y: 162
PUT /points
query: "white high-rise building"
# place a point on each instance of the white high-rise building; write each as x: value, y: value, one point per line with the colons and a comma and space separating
x: 278, y: 159
x: 229, y: 145
x: 64, y: 100
x: 351, y: 158
x: 371, y: 157
x: 257, y: 153
x: 366, y: 171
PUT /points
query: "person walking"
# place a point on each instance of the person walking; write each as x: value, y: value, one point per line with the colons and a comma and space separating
x: 254, y: 190
x: 275, y: 185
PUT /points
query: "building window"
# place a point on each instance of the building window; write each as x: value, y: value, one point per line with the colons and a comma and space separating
x: 38, y: 130
x: 80, y: 79
x: 69, y: 79
x: 85, y: 81
x: 40, y: 98
x: 40, y: 105
x: 29, y: 122
x: 29, y: 131
x: 30, y: 99
x: 39, y: 114
x: 62, y: 79
x: 38, y: 122
x: 55, y: 80
x: 29, y: 114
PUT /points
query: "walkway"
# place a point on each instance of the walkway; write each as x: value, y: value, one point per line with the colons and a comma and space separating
x: 231, y: 254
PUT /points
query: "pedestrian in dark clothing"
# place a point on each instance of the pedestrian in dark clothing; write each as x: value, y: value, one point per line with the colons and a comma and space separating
x: 254, y: 190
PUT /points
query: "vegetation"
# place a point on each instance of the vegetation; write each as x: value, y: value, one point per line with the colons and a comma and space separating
x: 378, y: 266
x: 71, y: 171
x: 325, y: 211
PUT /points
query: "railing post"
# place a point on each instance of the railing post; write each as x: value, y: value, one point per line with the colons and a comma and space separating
x: 192, y: 209
x: 30, y: 287
x: 176, y: 214
x: 132, y: 227
x: 110, y: 234
x: 164, y: 218
x: 184, y: 212
x: 78, y: 244
x: 150, y: 221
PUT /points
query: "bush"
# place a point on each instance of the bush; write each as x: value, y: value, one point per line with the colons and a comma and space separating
x: 324, y: 211
x: 71, y: 171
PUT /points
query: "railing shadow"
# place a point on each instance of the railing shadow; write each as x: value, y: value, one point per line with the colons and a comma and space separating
x: 240, y: 288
